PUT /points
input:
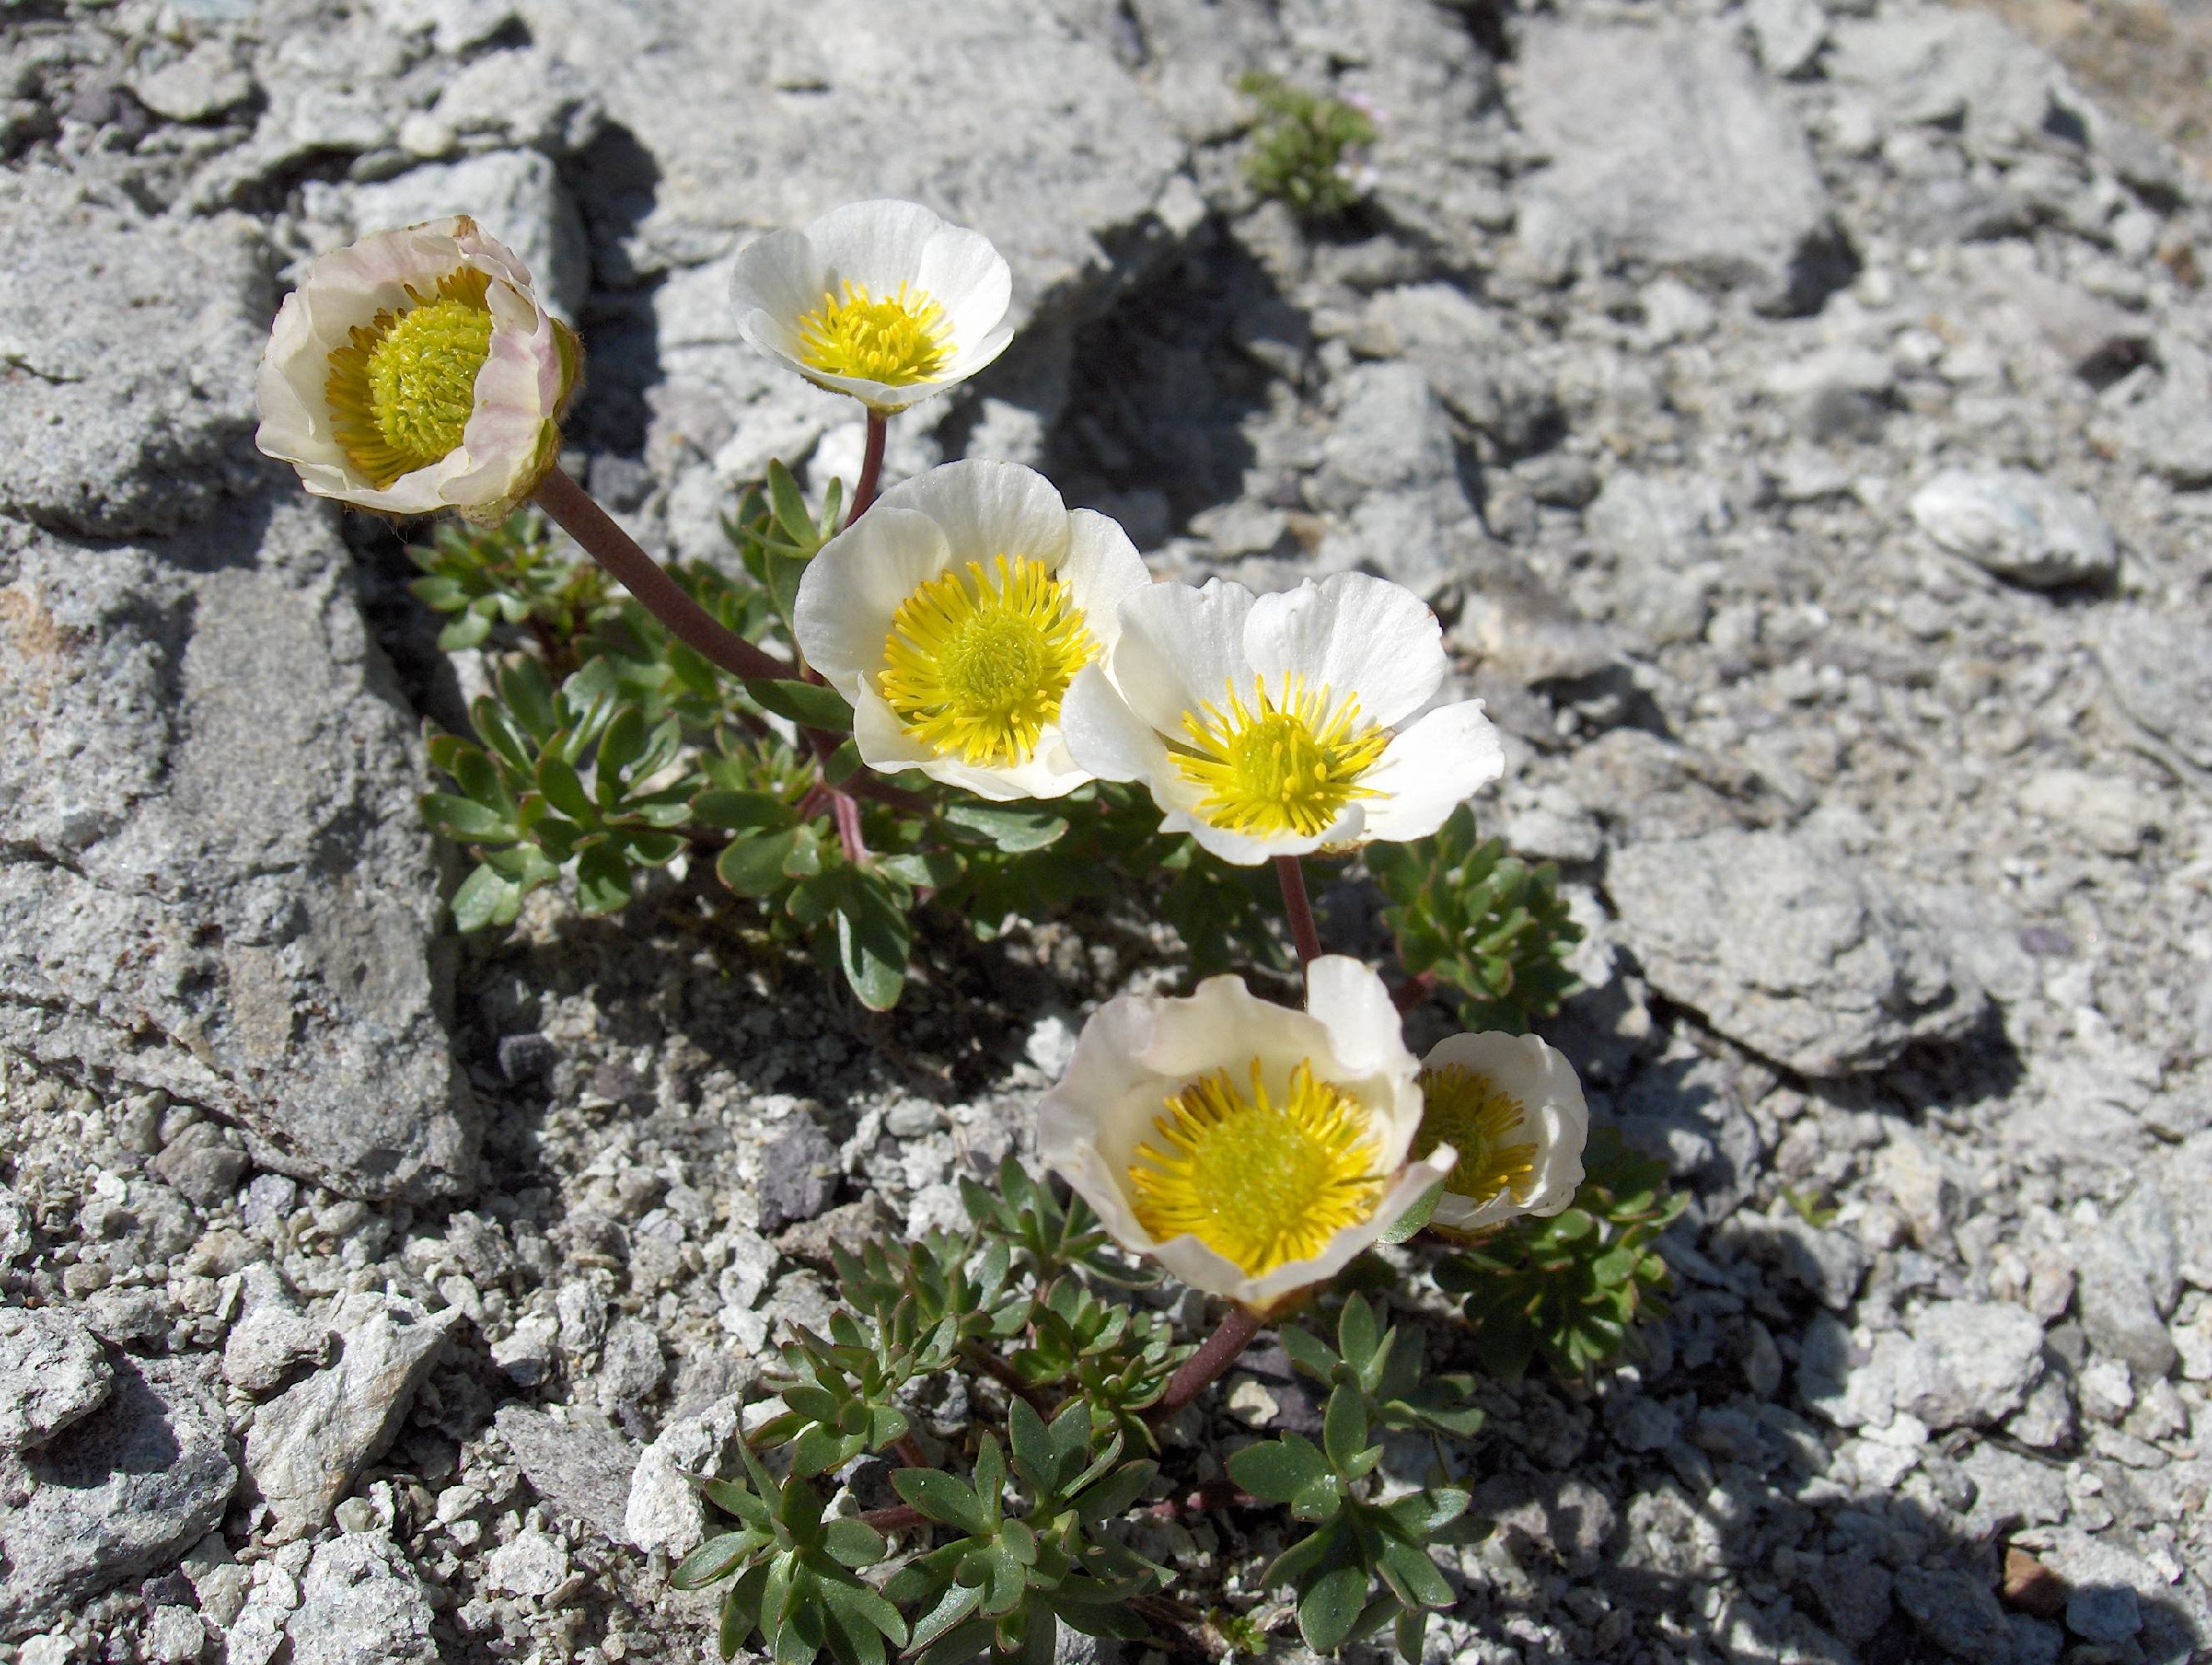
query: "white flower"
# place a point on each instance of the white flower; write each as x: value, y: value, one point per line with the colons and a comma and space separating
x: 884, y: 301
x: 1512, y: 1109
x: 1271, y: 726
x: 1250, y: 1149
x: 952, y: 616
x: 417, y: 371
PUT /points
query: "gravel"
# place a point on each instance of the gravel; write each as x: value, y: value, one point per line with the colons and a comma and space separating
x: 1798, y: 417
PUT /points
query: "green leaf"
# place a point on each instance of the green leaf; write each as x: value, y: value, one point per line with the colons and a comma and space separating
x: 789, y: 505
x: 714, y: 1560
x: 811, y: 705
x: 528, y: 693
x: 865, y: 1604
x: 1308, y: 1352
x: 955, y: 1604
x: 1015, y: 830
x: 1411, y: 1576
x: 874, y: 939
x: 603, y: 880
x: 1329, y: 1606
x: 1112, y: 1495
x: 1356, y: 1333
x: 485, y: 898
x: 1406, y: 1633
x: 1421, y: 1514
x: 1411, y: 1222
x: 564, y: 790
x: 945, y: 1500
x: 1031, y: 1443
x: 1276, y: 1471
x: 623, y: 744
x: 854, y: 1543
x: 463, y: 819
x: 755, y: 867
x: 1344, y: 1427
x: 741, y: 812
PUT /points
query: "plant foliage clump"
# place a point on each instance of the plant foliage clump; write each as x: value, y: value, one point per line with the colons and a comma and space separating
x: 1306, y: 147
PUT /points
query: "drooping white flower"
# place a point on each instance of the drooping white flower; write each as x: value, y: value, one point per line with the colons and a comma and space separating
x: 417, y: 371
x: 884, y: 301
x: 1250, y: 1149
x: 953, y: 614
x: 1274, y: 725
x: 1512, y: 1109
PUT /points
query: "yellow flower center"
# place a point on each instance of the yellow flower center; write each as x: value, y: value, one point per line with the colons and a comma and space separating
x: 1259, y: 1182
x: 1468, y: 1111
x: 401, y: 390
x: 977, y: 661
x: 1287, y: 762
x: 902, y: 339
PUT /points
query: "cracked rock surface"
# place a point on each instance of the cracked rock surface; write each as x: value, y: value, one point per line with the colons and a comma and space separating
x: 1798, y: 413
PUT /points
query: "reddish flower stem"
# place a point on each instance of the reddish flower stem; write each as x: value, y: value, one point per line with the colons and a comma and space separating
x: 897, y: 1518
x: 1290, y: 872
x: 872, y: 465
x: 571, y: 508
x: 1234, y: 1333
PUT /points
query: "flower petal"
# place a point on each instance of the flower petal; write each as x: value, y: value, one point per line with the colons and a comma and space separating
x: 1180, y: 648
x: 1353, y: 634
x: 1103, y: 569
x: 852, y: 590
x: 1103, y: 735
x: 1430, y: 769
x: 986, y: 509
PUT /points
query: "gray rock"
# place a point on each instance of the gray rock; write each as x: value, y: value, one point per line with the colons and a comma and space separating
x: 2119, y: 1308
x: 2106, y: 1615
x: 664, y: 1510
x: 2017, y: 525
x: 206, y: 762
x: 1828, y: 1264
x: 1567, y: 1520
x: 1788, y: 948
x: 1788, y: 34
x: 453, y: 25
x: 1991, y: 1351
x: 2159, y: 667
x: 273, y: 1338
x: 1464, y: 351
x: 516, y: 195
x: 2107, y: 1586
x: 129, y: 397
x: 203, y: 1166
x: 1956, y: 1612
x: 206, y: 81
x: 1520, y: 628
x: 52, y: 1371
x: 361, y: 1603
x: 531, y: 1564
x: 522, y: 99
x: 1937, y: 65
x: 308, y: 1445
x: 1388, y: 434
x: 2163, y: 419
x: 1671, y: 152
x: 125, y: 1493
x: 799, y: 1174
x: 1856, y: 1596
x: 581, y: 1469
x: 996, y: 119
x: 1641, y: 1423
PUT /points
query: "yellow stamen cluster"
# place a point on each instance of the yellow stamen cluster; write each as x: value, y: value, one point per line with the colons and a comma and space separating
x: 402, y: 389
x: 899, y: 340
x: 1468, y: 1111
x: 1260, y: 1183
x: 976, y: 660
x: 1287, y: 762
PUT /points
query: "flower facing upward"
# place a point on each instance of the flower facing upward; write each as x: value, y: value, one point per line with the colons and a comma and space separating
x: 1274, y: 725
x: 953, y: 615
x: 882, y: 300
x: 1511, y: 1108
x: 1250, y: 1149
x: 417, y: 371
